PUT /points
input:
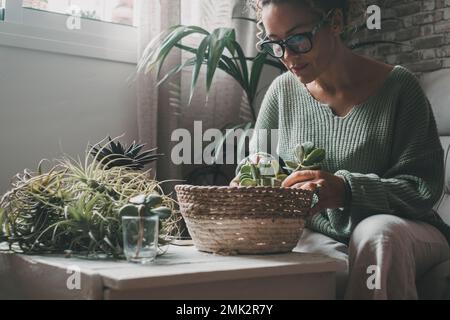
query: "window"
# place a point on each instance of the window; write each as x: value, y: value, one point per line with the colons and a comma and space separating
x: 115, y: 11
x: 103, y: 29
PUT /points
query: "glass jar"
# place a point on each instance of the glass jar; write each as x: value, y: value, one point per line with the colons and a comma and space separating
x: 140, y: 238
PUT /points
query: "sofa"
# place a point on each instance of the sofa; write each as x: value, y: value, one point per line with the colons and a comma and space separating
x: 435, y: 284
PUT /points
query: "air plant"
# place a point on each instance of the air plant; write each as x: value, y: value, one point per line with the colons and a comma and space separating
x: 76, y: 206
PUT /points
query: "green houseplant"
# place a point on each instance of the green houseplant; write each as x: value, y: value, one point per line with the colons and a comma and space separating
x: 77, y: 206
x: 217, y: 50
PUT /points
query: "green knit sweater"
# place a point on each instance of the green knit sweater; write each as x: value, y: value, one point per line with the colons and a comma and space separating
x: 387, y: 149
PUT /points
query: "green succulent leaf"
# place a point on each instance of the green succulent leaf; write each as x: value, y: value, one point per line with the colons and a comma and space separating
x: 314, y: 156
x: 312, y: 167
x: 247, y: 182
x: 246, y: 169
x: 162, y: 212
x: 153, y: 200
x: 308, y: 147
x: 291, y: 165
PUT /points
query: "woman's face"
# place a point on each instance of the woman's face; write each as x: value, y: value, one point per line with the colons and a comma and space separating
x: 286, y: 19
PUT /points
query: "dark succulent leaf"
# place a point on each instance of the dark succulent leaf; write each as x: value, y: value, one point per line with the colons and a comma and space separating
x: 130, y: 147
x: 291, y: 165
x: 135, y: 150
x: 307, y: 148
x: 314, y: 157
x: 153, y: 200
x: 129, y: 210
x: 115, y: 154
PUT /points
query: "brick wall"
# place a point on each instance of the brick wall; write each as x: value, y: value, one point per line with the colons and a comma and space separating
x: 423, y: 26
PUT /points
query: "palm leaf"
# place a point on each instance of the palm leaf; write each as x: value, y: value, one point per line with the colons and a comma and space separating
x: 175, y: 70
x: 242, y: 61
x: 201, y: 53
x: 219, y: 39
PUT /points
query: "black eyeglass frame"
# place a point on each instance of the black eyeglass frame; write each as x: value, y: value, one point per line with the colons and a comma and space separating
x: 285, y: 43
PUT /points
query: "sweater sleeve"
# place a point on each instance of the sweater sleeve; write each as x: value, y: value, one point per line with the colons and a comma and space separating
x: 415, y: 178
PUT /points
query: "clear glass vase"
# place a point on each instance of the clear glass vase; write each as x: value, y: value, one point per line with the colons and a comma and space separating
x: 140, y: 238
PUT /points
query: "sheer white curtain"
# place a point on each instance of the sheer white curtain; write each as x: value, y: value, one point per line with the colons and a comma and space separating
x: 163, y: 109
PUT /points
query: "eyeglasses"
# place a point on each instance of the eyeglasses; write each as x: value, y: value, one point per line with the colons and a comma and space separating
x: 298, y: 43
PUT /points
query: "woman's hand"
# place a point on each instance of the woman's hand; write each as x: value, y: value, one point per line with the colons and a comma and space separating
x: 332, y: 188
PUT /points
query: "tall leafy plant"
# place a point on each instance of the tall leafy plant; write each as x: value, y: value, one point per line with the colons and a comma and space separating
x: 217, y: 49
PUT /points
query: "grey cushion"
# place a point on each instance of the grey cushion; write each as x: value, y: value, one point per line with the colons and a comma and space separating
x: 435, y: 85
x: 435, y: 284
x: 443, y: 206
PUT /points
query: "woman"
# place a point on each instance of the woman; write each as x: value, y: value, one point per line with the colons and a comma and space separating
x: 384, y: 167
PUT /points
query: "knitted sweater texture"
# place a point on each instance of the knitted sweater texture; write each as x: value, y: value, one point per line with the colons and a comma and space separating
x: 387, y: 149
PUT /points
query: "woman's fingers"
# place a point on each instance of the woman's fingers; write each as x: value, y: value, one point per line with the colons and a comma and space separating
x: 311, y: 186
x: 299, y: 176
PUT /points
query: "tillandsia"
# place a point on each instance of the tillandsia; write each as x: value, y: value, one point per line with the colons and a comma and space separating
x: 262, y: 169
x: 76, y: 206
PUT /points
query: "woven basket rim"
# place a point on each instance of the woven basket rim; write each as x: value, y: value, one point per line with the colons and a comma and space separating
x: 219, y: 188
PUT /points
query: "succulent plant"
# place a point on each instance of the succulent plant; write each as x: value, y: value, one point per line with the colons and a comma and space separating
x: 146, y: 206
x: 263, y: 169
x: 114, y: 154
x: 307, y: 156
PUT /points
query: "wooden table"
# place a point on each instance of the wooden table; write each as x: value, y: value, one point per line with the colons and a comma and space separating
x: 182, y: 273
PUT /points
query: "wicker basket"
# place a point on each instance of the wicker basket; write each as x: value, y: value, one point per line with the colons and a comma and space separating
x: 244, y: 220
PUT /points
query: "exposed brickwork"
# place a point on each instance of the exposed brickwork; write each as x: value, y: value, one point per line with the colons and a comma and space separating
x: 422, y: 26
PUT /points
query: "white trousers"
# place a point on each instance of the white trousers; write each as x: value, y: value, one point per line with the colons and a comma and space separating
x: 385, y: 256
